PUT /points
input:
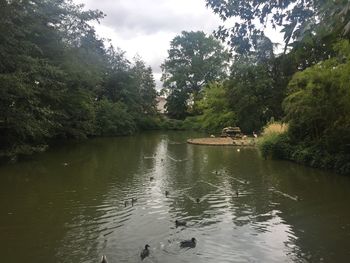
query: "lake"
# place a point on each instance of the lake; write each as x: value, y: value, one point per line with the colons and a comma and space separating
x: 73, y: 204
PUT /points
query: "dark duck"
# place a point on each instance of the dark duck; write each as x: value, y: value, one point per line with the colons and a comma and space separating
x: 144, y: 252
x: 188, y: 243
x: 180, y: 223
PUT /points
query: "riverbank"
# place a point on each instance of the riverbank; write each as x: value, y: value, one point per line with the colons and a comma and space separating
x: 282, y: 147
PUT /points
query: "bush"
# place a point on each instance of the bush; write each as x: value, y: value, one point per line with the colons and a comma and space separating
x: 171, y: 124
x: 113, y: 119
x: 192, y: 123
x: 146, y: 122
x: 275, y: 145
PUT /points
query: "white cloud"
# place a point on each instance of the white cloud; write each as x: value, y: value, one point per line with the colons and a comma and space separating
x: 146, y: 27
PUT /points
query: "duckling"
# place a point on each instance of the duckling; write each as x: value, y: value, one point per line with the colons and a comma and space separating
x: 144, y: 252
x: 166, y: 193
x: 180, y: 223
x: 104, y: 259
x: 188, y: 243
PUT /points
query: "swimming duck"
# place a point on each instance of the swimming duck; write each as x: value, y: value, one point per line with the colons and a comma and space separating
x: 104, y: 259
x: 166, y: 193
x: 188, y: 243
x: 180, y: 223
x: 133, y: 200
x: 151, y: 178
x: 144, y: 252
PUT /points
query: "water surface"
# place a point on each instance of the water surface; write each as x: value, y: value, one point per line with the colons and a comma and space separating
x: 68, y: 205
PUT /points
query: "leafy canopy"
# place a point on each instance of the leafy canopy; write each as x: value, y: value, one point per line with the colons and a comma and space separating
x: 194, y: 60
x: 296, y: 18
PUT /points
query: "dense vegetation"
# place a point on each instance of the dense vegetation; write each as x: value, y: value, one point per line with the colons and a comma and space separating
x: 59, y: 80
x: 194, y: 61
x: 306, y: 85
x: 317, y: 109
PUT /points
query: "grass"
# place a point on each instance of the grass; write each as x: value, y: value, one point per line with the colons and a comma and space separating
x: 275, y: 128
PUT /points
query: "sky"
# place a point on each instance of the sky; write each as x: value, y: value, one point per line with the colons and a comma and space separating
x: 146, y: 27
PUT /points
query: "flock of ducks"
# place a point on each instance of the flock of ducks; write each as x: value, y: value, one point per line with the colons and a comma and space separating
x: 191, y: 243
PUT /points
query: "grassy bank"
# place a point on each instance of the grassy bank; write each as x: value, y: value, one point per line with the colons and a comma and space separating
x: 276, y: 143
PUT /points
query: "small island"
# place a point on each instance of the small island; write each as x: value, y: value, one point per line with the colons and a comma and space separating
x: 230, y: 136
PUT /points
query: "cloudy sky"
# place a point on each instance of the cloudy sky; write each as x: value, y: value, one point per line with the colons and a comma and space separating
x: 146, y: 27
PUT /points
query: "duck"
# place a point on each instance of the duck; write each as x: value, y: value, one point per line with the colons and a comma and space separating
x: 180, y: 223
x: 104, y: 259
x: 188, y: 243
x: 145, y: 252
x: 151, y: 178
x: 133, y: 200
x: 166, y: 193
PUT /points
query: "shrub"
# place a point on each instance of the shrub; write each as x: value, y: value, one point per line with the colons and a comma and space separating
x: 275, y: 142
x: 275, y: 145
x: 113, y: 119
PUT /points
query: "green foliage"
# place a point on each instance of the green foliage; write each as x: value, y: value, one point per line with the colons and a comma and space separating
x: 113, y: 119
x: 194, y: 60
x: 192, y: 123
x: 317, y: 107
x: 275, y: 145
x: 318, y: 112
x: 250, y: 94
x: 177, y: 104
x: 58, y: 80
x: 298, y: 18
x: 171, y: 124
x: 215, y: 107
x: 144, y: 81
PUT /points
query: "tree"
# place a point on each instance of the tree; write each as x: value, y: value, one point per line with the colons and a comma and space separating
x: 317, y: 106
x: 215, y: 106
x: 58, y: 80
x: 249, y: 91
x: 144, y: 81
x: 193, y: 61
x: 297, y: 18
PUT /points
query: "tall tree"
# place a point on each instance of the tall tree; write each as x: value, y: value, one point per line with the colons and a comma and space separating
x: 57, y: 79
x: 145, y: 84
x: 194, y: 60
x: 297, y: 18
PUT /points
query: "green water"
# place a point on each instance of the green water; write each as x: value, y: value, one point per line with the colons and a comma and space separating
x: 67, y: 205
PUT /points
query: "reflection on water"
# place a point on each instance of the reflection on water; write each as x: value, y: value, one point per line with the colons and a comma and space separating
x: 73, y: 204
